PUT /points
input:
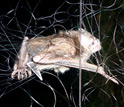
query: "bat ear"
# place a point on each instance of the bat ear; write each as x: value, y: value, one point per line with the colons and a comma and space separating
x: 83, y: 39
x: 81, y: 29
x: 26, y: 38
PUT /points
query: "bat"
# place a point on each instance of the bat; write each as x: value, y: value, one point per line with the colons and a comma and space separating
x: 59, y: 52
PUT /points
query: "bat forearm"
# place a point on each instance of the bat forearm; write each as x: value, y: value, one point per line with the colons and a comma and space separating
x: 22, y: 57
x: 88, y: 67
x: 74, y: 63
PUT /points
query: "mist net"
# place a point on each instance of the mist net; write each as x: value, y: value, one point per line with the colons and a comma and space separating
x: 103, y: 19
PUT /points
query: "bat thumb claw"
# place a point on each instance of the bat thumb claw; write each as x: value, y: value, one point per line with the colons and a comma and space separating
x: 36, y: 58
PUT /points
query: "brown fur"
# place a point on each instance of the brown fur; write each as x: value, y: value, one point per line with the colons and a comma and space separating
x: 59, y: 44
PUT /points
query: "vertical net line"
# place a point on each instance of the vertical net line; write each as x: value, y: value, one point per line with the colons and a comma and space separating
x: 80, y: 72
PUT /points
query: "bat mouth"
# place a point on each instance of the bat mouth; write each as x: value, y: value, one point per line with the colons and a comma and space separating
x: 96, y: 48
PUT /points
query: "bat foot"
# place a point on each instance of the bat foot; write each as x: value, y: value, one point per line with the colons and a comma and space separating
x: 21, y: 73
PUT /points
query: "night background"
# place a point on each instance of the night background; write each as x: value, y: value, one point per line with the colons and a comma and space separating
x: 32, y: 18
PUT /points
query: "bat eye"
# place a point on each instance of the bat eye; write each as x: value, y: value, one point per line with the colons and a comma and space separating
x: 93, y: 43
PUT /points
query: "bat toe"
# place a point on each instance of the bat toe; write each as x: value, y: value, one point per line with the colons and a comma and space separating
x: 21, y: 74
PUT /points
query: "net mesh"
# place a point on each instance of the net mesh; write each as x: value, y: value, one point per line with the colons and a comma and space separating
x: 41, y: 18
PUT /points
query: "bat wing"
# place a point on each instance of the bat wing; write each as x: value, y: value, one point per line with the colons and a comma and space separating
x: 74, y: 63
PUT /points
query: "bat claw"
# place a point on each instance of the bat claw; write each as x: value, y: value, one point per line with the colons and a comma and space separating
x: 21, y: 73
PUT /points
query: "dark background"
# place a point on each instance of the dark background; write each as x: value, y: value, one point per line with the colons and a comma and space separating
x: 31, y: 18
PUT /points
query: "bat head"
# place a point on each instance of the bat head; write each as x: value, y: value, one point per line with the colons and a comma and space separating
x: 89, y: 42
